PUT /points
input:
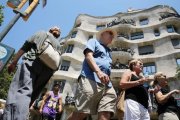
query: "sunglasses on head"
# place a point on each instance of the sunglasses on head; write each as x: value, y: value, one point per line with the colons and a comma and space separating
x: 162, y: 76
x: 140, y: 63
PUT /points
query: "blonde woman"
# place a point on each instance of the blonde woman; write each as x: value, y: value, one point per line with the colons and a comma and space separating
x: 136, y: 96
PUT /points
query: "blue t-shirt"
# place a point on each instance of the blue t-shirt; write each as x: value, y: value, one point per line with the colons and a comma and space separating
x: 102, y: 57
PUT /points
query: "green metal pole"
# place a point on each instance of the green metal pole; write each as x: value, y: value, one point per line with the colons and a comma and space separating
x: 9, y: 26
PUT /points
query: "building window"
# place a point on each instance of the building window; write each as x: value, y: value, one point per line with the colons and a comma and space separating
x: 171, y: 29
x: 61, y: 83
x: 123, y: 35
x: 176, y: 43
x: 69, y: 49
x: 65, y: 65
x: 90, y: 37
x: 99, y: 27
x: 78, y: 25
x: 149, y: 68
x: 144, y: 21
x: 156, y: 32
x: 137, y: 35
x: 73, y: 35
x: 178, y: 61
x: 145, y: 50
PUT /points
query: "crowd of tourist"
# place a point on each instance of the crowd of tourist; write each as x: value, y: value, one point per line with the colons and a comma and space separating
x: 95, y: 94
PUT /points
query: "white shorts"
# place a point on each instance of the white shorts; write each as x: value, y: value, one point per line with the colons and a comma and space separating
x: 135, y: 111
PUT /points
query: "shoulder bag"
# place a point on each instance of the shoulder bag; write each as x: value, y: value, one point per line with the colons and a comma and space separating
x: 49, y: 55
x: 121, y: 103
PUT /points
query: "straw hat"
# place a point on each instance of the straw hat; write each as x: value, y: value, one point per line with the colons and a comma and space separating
x: 98, y: 34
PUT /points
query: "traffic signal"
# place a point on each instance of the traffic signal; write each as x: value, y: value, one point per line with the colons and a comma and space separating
x: 30, y: 1
x: 13, y: 3
x: 30, y: 9
x: 18, y: 4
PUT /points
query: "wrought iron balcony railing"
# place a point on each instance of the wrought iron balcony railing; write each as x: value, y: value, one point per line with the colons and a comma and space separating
x: 119, y: 65
x: 129, y: 50
x: 167, y: 15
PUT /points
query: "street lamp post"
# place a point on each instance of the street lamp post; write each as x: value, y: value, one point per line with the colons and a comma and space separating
x: 6, y: 52
x: 9, y: 26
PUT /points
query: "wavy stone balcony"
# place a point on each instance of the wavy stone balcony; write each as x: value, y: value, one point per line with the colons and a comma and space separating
x: 117, y: 73
x: 167, y: 15
x: 70, y: 56
x: 117, y: 69
x: 123, y: 53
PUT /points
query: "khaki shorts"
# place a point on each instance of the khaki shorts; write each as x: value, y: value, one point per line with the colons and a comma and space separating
x: 92, y: 97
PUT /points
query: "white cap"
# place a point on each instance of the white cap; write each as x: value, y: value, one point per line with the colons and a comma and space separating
x: 55, y: 27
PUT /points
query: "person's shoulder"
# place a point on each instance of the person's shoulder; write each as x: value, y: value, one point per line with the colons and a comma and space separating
x: 128, y: 72
x: 48, y: 93
x: 60, y: 95
x: 41, y: 32
x: 51, y: 92
x: 92, y: 40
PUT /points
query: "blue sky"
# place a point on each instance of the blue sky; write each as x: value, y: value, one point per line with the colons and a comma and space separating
x: 63, y: 13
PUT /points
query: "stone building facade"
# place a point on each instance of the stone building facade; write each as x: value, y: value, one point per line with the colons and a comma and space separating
x: 152, y: 35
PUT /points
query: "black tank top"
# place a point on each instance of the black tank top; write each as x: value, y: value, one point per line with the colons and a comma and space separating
x: 170, y: 105
x: 138, y: 93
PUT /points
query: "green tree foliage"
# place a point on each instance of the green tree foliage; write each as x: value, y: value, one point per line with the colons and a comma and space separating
x: 5, y: 80
x: 1, y: 14
x: 177, y: 72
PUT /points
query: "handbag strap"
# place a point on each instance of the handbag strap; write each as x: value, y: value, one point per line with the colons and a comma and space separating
x: 48, y: 43
x: 44, y: 49
x: 41, y: 48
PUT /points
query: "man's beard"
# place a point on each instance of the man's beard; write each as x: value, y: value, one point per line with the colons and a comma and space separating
x: 55, y: 35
